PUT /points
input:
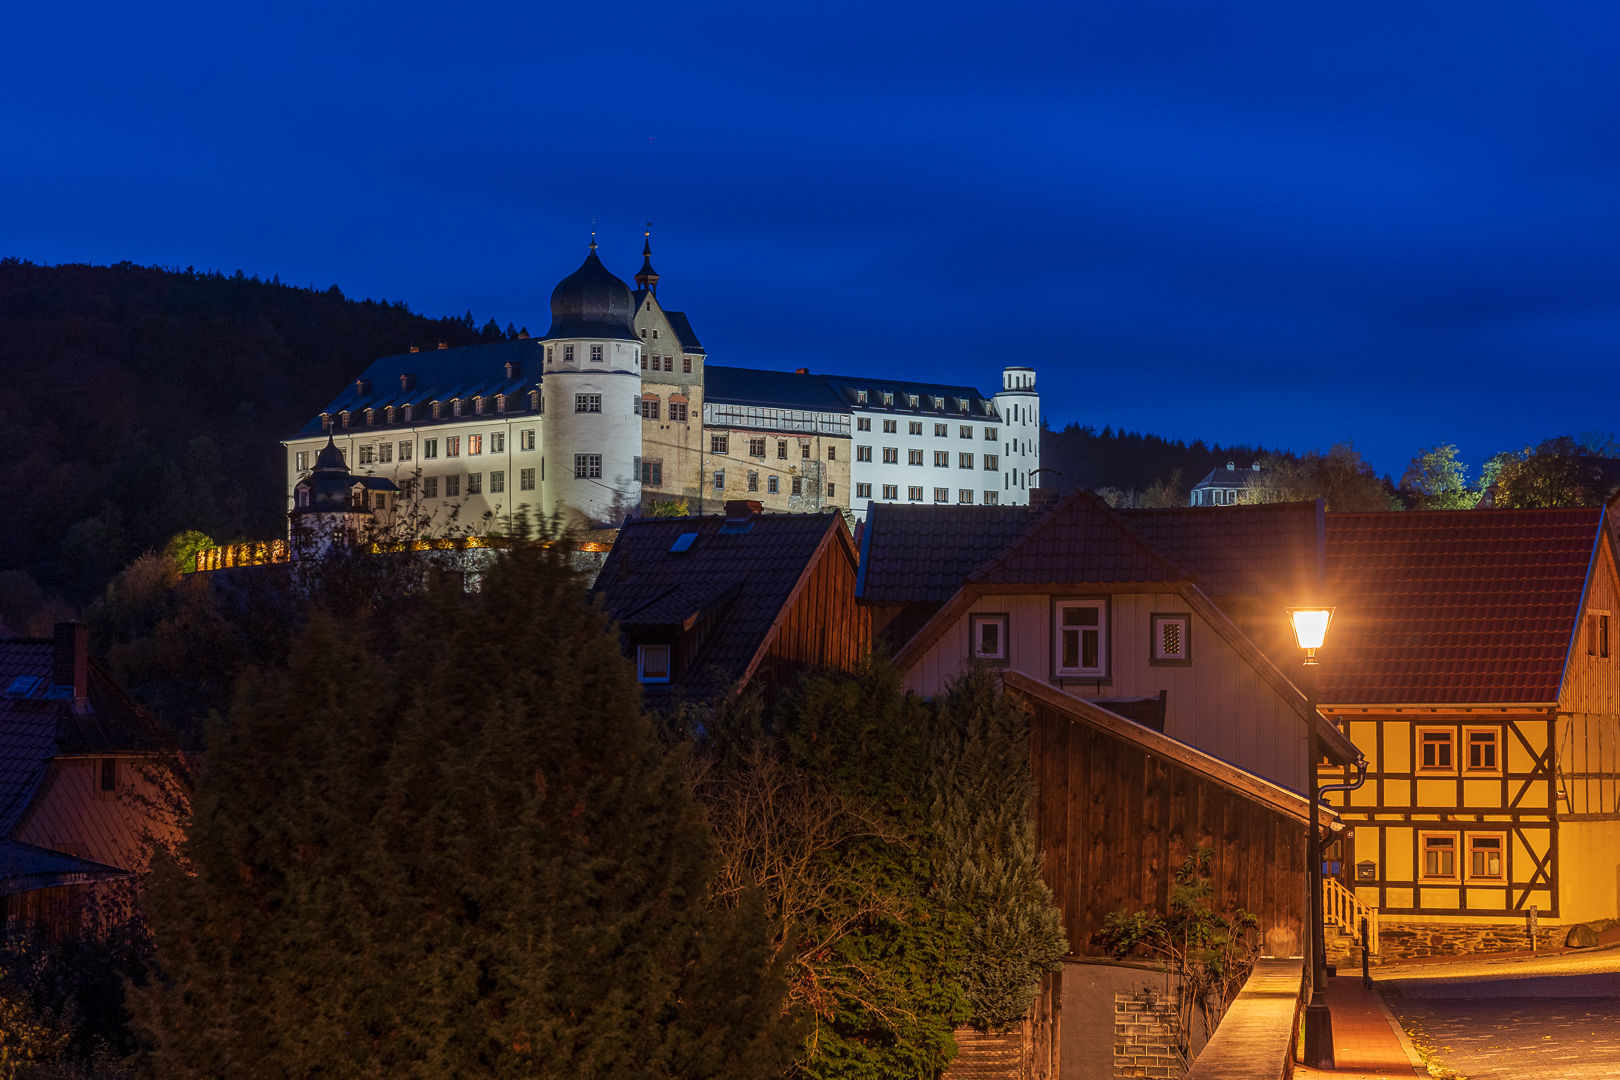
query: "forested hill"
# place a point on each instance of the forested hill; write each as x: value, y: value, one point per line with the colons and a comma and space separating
x: 136, y: 402
x: 1132, y: 461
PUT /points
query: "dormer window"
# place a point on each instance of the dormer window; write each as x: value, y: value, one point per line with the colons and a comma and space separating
x: 343, y: 417
x: 888, y: 400
x: 326, y: 421
x: 535, y: 401
x: 438, y: 409
x: 408, y: 411
x: 860, y: 397
x: 478, y: 406
x: 500, y: 403
x: 455, y: 406
x: 915, y: 399
x: 371, y: 416
x: 303, y: 496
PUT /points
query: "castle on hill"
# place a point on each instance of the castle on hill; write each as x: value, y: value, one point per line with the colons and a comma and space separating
x: 617, y: 408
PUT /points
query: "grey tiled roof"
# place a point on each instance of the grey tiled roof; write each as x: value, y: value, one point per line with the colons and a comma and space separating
x: 683, y: 331
x: 769, y: 389
x: 24, y: 867
x: 921, y: 554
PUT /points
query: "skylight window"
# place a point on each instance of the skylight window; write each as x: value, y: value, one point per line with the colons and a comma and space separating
x: 683, y: 543
x: 23, y: 685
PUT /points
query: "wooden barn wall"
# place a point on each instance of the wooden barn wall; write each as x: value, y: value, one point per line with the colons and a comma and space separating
x: 824, y: 627
x: 1590, y: 685
x: 1114, y: 823
x: 69, y: 813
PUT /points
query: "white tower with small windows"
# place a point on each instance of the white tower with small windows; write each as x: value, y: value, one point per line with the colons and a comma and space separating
x: 1020, y: 407
x: 592, y: 387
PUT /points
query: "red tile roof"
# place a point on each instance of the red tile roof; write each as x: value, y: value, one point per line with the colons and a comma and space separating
x: 1230, y: 551
x: 644, y: 583
x: 921, y: 554
x: 1456, y: 606
x: 1079, y: 541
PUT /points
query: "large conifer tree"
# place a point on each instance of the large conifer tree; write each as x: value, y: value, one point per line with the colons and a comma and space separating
x: 468, y: 858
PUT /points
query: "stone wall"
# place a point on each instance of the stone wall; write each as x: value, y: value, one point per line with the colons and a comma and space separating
x: 1408, y: 941
x: 1145, y: 1037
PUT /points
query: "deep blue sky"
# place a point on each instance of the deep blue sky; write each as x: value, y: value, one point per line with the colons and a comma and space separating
x: 1294, y: 223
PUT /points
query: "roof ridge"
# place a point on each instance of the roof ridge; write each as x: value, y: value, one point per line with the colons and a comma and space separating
x: 1063, y: 506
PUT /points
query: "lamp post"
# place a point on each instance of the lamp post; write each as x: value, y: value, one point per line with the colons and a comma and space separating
x: 1310, y: 628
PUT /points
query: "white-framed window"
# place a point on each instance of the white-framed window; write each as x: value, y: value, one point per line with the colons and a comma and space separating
x: 452, y: 487
x: 891, y: 427
x: 1437, y: 750
x: 497, y: 442
x: 525, y: 479
x: 964, y: 496
x: 587, y: 466
x: 888, y: 400
x: 301, y: 460
x: 1487, y: 856
x: 987, y: 636
x: 1172, y: 638
x: 1437, y: 855
x: 652, y: 663
x: 860, y: 397
x: 385, y: 452
x: 1482, y: 750
x: 1080, y: 637
x: 914, y: 494
x: 430, y: 448
x: 452, y: 446
x: 526, y: 439
x: 475, y: 444
x: 405, y: 450
x: 992, y: 498
x: 587, y: 402
x: 568, y: 354
x: 596, y: 354
x: 497, y: 482
x: 475, y: 483
x: 863, y: 423
x: 891, y: 491
x: 863, y: 491
x: 368, y: 454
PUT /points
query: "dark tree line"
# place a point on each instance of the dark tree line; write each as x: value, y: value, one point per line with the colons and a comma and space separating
x: 1081, y: 456
x: 141, y: 401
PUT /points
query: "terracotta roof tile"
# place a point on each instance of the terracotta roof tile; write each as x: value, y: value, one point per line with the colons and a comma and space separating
x: 1454, y: 606
x: 1231, y: 551
x: 921, y: 554
x: 1079, y: 541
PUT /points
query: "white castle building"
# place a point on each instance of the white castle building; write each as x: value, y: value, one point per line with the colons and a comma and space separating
x: 616, y: 408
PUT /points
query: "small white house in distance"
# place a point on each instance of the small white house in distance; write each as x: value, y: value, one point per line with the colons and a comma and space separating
x: 1082, y: 603
x: 926, y: 443
x: 1222, y: 486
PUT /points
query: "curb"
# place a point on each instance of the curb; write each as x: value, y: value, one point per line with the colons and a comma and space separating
x: 1419, y: 1066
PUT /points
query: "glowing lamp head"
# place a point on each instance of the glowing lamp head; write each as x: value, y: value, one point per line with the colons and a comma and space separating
x: 1310, y: 626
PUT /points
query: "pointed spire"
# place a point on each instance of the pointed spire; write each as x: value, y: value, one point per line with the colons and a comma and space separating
x: 647, y: 277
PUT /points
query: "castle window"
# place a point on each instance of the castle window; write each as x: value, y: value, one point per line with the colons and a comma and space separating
x: 405, y: 450
x: 497, y: 482
x: 804, y: 449
x: 526, y: 439
x: 915, y: 427
x: 301, y: 460
x: 430, y: 487
x: 475, y: 483
x: 452, y: 446
x: 832, y: 452
x: 832, y: 489
x: 568, y: 354
x: 655, y: 333
x: 452, y: 487
x: 798, y: 485
x: 652, y: 473
x: 596, y: 354
x: 438, y: 409
x: 551, y: 354
x: 587, y: 466
x: 781, y: 449
x: 677, y: 412
x: 669, y: 363
x: 756, y: 448
x: 525, y: 479
x: 109, y: 775
x: 644, y: 355
x: 773, y: 486
x: 644, y: 333
x: 497, y: 442
x: 587, y: 403
x: 720, y: 444
x: 914, y: 494
x: 686, y: 364
x: 649, y: 408
x: 302, y: 497
x: 475, y: 444
x: 720, y: 480
x: 753, y: 481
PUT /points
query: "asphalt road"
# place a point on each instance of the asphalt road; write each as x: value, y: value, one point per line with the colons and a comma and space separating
x: 1553, y: 1017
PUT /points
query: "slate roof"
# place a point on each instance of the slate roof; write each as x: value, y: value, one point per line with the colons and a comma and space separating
x: 922, y: 554
x: 1081, y: 540
x: 1266, y: 550
x: 1454, y: 606
x: 683, y: 332
x: 39, y: 726
x: 846, y: 386
x: 769, y: 389
x: 440, y: 375
x: 24, y: 867
x: 1223, y: 477
x: 643, y: 583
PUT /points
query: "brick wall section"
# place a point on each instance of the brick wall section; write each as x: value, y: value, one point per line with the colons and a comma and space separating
x: 1145, y: 1043
x: 1411, y: 941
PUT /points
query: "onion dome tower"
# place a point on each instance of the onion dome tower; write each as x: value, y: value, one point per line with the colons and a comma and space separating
x: 331, y: 505
x: 592, y: 387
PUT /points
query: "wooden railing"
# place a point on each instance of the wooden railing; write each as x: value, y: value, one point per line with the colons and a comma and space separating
x: 227, y: 555
x: 1344, y: 909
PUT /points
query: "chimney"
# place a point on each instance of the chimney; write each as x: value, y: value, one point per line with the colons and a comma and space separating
x: 72, y: 662
x: 801, y: 371
x: 742, y: 509
x: 514, y: 369
x: 442, y: 345
x: 407, y: 382
x: 1042, y: 499
x: 415, y: 349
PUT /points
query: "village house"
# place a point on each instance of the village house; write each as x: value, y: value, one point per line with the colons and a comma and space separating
x: 82, y: 793
x: 746, y: 600
x: 1471, y: 656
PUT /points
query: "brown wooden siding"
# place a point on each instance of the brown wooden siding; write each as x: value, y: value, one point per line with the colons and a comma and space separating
x: 1114, y: 822
x: 1590, y: 685
x: 823, y: 626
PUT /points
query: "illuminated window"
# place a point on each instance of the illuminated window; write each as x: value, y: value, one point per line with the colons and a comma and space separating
x: 526, y: 439
x: 1435, y: 750
x: 987, y: 636
x: 652, y: 663
x: 497, y: 442
x: 1485, y: 857
x: 860, y: 397
x: 1439, y: 855
x: 1483, y: 749
x: 385, y: 452
x: 475, y: 444
x: 1081, y: 645
x: 301, y: 461
x: 452, y: 446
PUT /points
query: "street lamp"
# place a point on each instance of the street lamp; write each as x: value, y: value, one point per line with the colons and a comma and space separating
x: 1310, y: 628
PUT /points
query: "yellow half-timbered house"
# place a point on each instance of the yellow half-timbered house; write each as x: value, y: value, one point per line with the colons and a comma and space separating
x: 1470, y: 659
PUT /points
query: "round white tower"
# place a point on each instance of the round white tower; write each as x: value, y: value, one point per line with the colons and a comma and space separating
x: 591, y: 436
x: 1019, y: 404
